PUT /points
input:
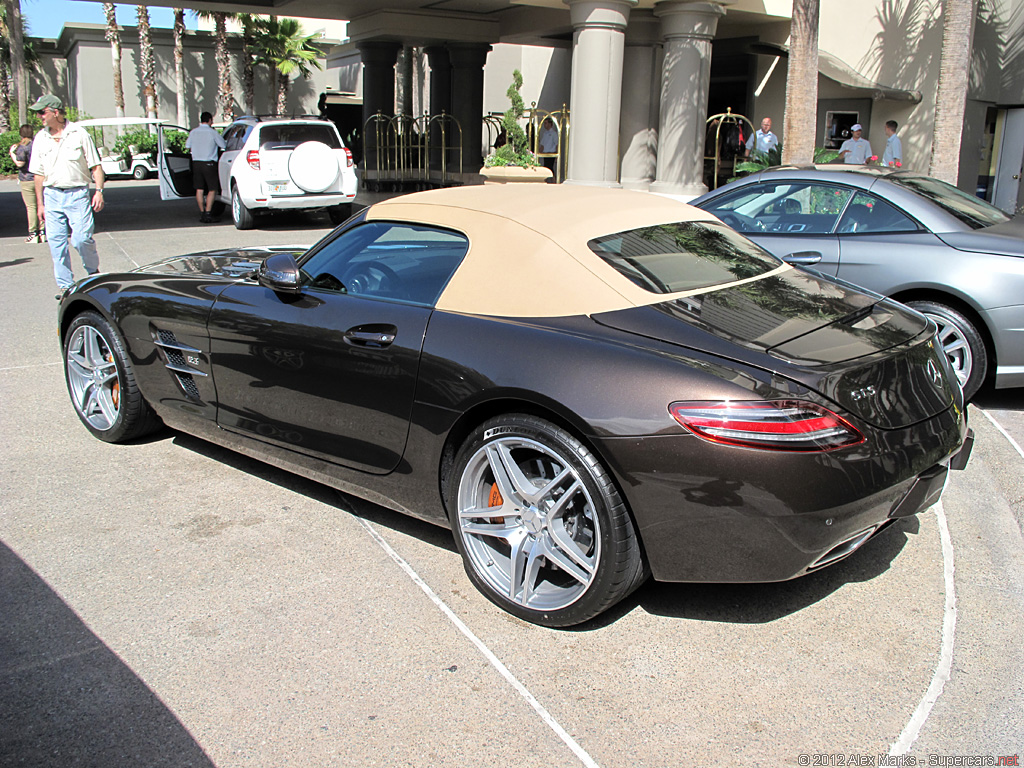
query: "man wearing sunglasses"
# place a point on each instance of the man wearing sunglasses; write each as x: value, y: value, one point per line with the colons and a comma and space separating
x: 64, y: 158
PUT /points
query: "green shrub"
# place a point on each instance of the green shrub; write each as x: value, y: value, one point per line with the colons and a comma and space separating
x: 7, y: 139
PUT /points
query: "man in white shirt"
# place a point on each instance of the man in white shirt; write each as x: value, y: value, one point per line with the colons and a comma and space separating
x: 763, y: 140
x: 893, y: 155
x: 856, y: 151
x: 63, y: 157
x: 205, y: 144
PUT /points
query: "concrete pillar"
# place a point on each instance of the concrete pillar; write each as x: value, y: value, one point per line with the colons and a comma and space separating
x: 688, y: 27
x: 467, y: 91
x: 641, y: 96
x: 595, y: 101
x: 440, y: 99
x: 378, y: 91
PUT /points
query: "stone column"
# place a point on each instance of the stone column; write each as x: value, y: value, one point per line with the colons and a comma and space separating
x: 688, y: 27
x: 641, y: 95
x: 440, y: 97
x: 595, y: 101
x: 467, y: 92
x: 378, y: 91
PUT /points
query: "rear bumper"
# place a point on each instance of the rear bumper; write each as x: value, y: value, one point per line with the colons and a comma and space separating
x: 708, y: 513
x: 299, y: 202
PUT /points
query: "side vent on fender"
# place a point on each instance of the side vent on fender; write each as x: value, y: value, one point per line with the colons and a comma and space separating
x: 176, y: 360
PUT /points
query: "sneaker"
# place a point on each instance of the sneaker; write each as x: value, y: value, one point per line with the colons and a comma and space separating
x: 32, y: 238
x: 42, y: 237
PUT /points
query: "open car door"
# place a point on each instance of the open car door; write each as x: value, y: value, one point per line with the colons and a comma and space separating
x: 174, y: 163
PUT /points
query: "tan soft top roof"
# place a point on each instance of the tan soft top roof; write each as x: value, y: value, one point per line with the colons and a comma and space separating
x: 528, y: 254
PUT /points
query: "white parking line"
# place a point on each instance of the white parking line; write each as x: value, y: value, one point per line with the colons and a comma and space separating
x: 913, y: 728
x: 586, y: 759
x: 999, y: 426
x: 26, y: 367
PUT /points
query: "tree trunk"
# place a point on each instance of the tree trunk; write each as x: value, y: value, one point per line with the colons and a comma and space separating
x: 282, y: 93
x: 248, y: 71
x: 5, y: 92
x: 15, y: 35
x: 951, y: 98
x: 799, y: 126
x: 148, y: 62
x: 179, y: 64
x: 225, y: 97
x: 113, y: 36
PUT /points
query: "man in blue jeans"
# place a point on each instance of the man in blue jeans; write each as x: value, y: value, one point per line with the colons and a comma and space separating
x: 63, y: 157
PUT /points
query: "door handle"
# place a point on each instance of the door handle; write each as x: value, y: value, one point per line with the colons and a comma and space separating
x: 803, y: 257
x: 1016, y: 176
x: 371, y: 336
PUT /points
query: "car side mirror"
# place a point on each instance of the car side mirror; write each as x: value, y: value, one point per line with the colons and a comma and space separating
x: 279, y: 272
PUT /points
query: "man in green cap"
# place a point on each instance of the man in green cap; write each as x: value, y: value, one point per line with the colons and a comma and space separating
x: 63, y: 158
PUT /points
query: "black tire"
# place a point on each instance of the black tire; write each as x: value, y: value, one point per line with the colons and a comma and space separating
x: 574, y: 541
x: 101, y: 382
x: 243, y: 217
x: 964, y: 346
x: 339, y: 213
x: 139, y: 173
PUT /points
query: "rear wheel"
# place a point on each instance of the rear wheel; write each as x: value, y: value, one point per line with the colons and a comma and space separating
x: 961, y: 342
x: 541, y: 527
x: 243, y: 217
x: 339, y: 213
x: 139, y: 173
x: 101, y: 382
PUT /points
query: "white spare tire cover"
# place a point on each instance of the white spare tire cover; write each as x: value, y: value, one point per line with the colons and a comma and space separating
x: 313, y: 166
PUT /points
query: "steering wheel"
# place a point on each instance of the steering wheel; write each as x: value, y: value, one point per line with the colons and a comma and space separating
x: 374, y: 279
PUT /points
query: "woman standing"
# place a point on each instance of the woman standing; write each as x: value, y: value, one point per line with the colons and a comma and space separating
x: 21, y: 154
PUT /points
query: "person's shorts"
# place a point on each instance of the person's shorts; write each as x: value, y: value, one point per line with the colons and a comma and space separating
x: 204, y: 176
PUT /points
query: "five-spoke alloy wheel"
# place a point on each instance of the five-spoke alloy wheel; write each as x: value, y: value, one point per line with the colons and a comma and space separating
x: 540, y: 524
x: 961, y: 342
x: 101, y: 383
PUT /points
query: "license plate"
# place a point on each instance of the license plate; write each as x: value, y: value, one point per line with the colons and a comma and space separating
x: 278, y: 189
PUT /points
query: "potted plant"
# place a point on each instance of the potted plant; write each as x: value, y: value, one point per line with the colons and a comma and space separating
x: 513, y: 162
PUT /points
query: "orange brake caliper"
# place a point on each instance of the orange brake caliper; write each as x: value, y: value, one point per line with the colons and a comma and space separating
x: 494, y: 500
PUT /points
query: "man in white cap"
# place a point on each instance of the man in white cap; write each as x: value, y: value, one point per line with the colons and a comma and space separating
x: 63, y: 159
x: 856, y: 150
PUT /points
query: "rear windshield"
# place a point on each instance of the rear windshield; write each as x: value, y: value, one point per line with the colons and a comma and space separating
x: 290, y: 136
x: 972, y: 211
x: 683, y: 257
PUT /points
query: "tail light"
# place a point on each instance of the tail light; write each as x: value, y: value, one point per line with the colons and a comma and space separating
x: 348, y: 157
x: 781, y: 425
x: 252, y: 157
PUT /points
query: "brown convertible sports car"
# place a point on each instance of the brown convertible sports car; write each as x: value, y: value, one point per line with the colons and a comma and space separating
x: 586, y: 385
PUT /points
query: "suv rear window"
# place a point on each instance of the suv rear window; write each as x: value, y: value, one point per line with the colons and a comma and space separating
x: 686, y: 256
x: 290, y: 136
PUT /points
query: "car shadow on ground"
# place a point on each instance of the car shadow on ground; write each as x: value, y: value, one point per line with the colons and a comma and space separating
x: 67, y: 698
x: 1000, y: 399
x: 728, y: 603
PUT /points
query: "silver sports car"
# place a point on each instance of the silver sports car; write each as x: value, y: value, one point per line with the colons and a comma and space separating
x: 949, y: 255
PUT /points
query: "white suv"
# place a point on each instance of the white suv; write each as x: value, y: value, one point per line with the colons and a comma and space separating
x: 273, y: 164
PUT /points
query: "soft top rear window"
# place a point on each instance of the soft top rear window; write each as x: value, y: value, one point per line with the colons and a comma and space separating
x: 687, y: 256
x: 290, y: 136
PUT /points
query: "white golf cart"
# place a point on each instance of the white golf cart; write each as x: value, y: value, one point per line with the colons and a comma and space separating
x: 131, y: 160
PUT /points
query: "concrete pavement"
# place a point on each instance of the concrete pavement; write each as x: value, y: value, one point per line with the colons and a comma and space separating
x: 172, y: 603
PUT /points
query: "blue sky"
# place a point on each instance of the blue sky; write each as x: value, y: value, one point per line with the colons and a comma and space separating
x: 46, y: 17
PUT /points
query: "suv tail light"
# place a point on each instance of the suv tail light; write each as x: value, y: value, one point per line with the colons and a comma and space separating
x: 348, y: 157
x: 781, y: 425
x: 252, y: 157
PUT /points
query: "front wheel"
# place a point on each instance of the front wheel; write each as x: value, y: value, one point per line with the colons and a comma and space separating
x: 243, y: 217
x: 101, y: 382
x: 961, y: 342
x: 540, y: 525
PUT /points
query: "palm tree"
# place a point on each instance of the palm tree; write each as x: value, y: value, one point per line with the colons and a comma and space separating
x: 179, y: 63
x: 951, y: 98
x: 113, y: 36
x: 250, y: 27
x: 147, y: 62
x: 285, y: 49
x: 15, y: 33
x: 799, y: 126
x: 30, y: 59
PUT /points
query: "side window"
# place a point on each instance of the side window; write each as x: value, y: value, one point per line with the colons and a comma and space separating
x: 867, y: 214
x: 233, y: 137
x: 388, y: 260
x: 788, y: 208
